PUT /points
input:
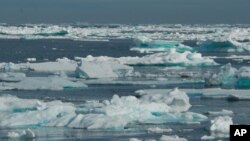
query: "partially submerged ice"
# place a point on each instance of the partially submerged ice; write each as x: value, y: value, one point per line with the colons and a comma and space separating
x: 12, y: 77
x: 229, y: 77
x: 25, y: 134
x: 237, y: 36
x: 220, y: 128
x: 146, y: 45
x: 18, y: 81
x: 116, y: 113
x: 172, y: 58
x: 211, y: 93
x: 159, y: 130
x: 171, y: 138
x: 102, y: 69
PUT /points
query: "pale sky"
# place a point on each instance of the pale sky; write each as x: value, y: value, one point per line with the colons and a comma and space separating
x: 125, y: 11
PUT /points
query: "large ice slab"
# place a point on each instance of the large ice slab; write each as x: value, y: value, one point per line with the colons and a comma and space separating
x: 116, y: 113
x: 42, y: 83
x: 146, y: 45
x: 217, y: 93
x: 103, y: 69
x: 172, y: 58
x: 12, y: 77
x: 25, y: 134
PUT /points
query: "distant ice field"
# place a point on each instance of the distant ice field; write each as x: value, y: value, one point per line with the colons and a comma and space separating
x: 123, y: 82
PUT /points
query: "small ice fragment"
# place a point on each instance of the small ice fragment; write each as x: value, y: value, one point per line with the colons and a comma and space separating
x: 223, y: 112
x: 28, y: 133
x: 134, y: 139
x: 205, y: 137
x: 31, y: 59
x: 172, y: 138
x: 158, y: 130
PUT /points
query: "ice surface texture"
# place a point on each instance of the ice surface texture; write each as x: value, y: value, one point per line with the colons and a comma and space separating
x: 114, y: 114
x: 230, y: 77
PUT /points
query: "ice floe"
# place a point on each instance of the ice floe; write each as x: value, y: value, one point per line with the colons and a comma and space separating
x: 134, y: 139
x: 25, y: 134
x: 223, y: 112
x: 145, y: 45
x: 172, y: 57
x: 103, y: 69
x: 12, y: 77
x: 39, y: 83
x: 159, y: 130
x: 220, y: 128
x: 215, y: 93
x: 116, y: 113
x: 171, y: 138
x: 234, y: 39
x: 229, y: 77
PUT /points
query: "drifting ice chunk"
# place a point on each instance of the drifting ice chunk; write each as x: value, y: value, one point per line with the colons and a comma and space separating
x: 171, y: 58
x: 31, y: 59
x: 223, y: 112
x: 158, y: 130
x: 24, y: 134
x: 102, y: 69
x: 32, y: 112
x: 171, y: 138
x: 176, y: 99
x: 63, y: 64
x: 220, y: 127
x: 116, y: 113
x: 42, y: 83
x: 244, y: 72
x: 225, y: 77
x: 7, y: 67
x: 120, y: 111
x: 146, y: 45
x: 12, y: 77
x: 134, y: 139
x: 205, y: 137
x: 239, y: 45
x: 230, y: 77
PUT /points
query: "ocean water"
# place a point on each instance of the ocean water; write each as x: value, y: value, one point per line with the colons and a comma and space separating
x: 149, y: 50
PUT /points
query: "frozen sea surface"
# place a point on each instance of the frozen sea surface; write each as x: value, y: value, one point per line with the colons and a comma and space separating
x: 60, y: 67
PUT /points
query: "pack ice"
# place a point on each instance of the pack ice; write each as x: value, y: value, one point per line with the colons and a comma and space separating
x: 117, y: 113
x: 171, y: 57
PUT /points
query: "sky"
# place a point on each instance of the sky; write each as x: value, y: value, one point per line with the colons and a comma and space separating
x: 125, y: 11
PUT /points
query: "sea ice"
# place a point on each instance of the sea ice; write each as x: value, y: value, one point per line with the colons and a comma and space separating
x: 220, y: 127
x: 216, y: 93
x: 172, y: 57
x: 25, y: 134
x: 41, y: 83
x: 103, y: 69
x: 146, y: 45
x: 134, y: 139
x: 159, y: 130
x: 116, y: 113
x: 171, y: 138
x: 12, y: 77
x: 223, y: 112
x: 229, y: 77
